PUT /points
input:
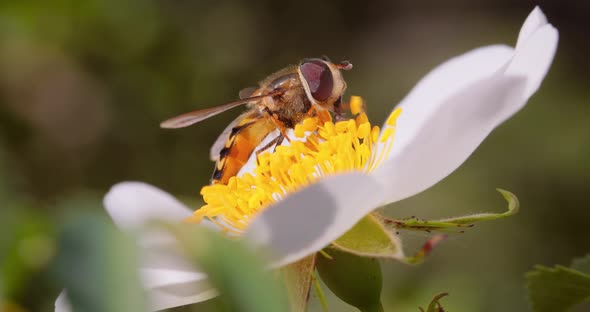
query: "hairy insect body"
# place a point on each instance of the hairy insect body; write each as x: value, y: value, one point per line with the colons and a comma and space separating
x: 281, y: 101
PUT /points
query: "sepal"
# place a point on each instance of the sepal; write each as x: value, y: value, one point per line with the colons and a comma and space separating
x: 355, y: 279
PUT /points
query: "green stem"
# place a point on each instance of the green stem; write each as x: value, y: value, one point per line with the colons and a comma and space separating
x: 319, y: 292
x: 325, y: 254
x: 456, y: 223
x: 425, y: 250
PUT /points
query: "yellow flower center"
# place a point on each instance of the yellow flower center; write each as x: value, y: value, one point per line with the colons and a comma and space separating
x: 322, y: 148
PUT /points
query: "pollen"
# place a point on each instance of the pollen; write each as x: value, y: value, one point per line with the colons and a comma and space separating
x: 322, y: 148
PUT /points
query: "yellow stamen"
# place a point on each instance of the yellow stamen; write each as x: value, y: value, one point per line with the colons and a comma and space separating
x: 327, y: 148
x: 356, y: 105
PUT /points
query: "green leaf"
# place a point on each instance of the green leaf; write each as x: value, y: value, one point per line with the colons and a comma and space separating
x: 299, y: 277
x: 557, y: 289
x: 370, y: 238
x: 28, y: 247
x: 97, y: 264
x: 235, y: 270
x: 354, y: 279
x: 456, y: 223
x: 582, y: 264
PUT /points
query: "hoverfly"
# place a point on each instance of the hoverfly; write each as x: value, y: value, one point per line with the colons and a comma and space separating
x: 282, y: 100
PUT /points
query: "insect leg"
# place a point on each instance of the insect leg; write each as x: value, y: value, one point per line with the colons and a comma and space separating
x: 311, y: 112
x: 278, y: 140
x: 338, y: 108
x: 277, y: 122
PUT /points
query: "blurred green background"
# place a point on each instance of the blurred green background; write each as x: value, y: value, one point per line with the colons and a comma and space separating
x: 84, y: 85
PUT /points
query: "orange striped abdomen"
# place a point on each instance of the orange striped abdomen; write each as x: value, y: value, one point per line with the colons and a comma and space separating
x: 242, y: 141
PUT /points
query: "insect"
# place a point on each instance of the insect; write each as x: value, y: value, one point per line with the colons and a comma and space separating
x: 282, y: 100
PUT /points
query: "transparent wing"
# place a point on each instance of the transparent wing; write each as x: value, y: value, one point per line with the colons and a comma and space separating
x: 195, y: 116
x: 247, y: 92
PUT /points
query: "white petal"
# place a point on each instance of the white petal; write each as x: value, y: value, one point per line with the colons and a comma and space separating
x: 167, y: 277
x: 533, y: 59
x: 451, y: 111
x: 310, y: 219
x: 446, y: 139
x: 163, y: 260
x: 185, y: 290
x: 449, y: 78
x: 156, y: 278
x: 61, y: 303
x: 164, y: 272
x: 133, y: 204
x: 170, y: 288
x: 169, y: 298
x: 534, y: 21
x: 168, y: 281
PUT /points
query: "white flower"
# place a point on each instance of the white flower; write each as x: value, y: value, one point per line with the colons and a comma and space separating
x: 444, y: 118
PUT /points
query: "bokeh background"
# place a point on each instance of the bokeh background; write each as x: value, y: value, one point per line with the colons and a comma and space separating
x: 84, y: 85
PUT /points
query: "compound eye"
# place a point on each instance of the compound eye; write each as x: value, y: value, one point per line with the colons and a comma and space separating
x: 319, y: 78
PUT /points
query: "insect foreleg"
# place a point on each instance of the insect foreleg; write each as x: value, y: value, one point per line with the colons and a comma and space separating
x: 278, y: 140
x: 277, y: 122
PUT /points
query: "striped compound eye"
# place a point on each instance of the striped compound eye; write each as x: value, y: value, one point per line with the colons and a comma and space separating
x: 319, y: 78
